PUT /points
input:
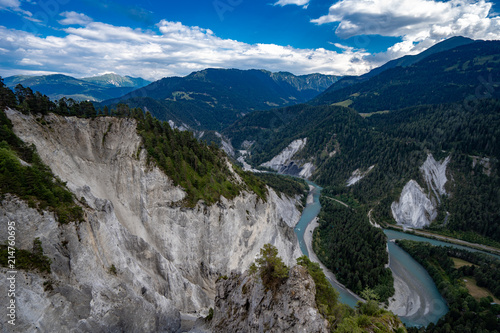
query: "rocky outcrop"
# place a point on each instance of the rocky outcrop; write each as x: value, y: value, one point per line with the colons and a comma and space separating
x: 357, y: 175
x: 243, y: 304
x: 85, y: 295
x: 284, y: 162
x: 435, y: 175
x: 167, y: 257
x: 414, y: 208
x: 225, y: 144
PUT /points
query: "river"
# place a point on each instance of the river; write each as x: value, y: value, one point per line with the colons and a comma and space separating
x: 417, y: 302
x: 308, y: 214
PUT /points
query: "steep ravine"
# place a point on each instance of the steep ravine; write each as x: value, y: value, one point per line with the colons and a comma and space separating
x: 167, y: 257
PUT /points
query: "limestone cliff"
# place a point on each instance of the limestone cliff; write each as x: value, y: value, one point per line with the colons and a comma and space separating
x: 167, y: 257
x: 285, y: 163
x: 434, y: 173
x: 357, y: 175
x: 244, y: 305
x: 416, y: 208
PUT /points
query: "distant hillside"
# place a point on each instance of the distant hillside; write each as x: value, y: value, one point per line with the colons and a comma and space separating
x: 115, y: 80
x: 468, y: 71
x: 95, y: 88
x: 215, y: 98
x: 405, y: 61
x: 368, y: 161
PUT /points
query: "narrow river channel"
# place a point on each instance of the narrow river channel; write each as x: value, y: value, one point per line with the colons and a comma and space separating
x: 419, y: 301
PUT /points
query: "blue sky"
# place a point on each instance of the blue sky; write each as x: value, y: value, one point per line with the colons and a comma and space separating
x: 154, y: 39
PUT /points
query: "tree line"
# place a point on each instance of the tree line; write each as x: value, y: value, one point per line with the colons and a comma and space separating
x: 352, y: 249
x: 466, y: 314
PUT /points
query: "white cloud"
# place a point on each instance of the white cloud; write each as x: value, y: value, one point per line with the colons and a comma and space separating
x: 74, y: 18
x: 420, y: 23
x: 4, y: 4
x: 14, y: 5
x: 29, y: 62
x: 303, y: 3
x: 342, y: 47
x: 174, y: 49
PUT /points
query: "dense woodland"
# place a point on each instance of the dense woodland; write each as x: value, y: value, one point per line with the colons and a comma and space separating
x: 464, y: 73
x: 339, y: 142
x: 466, y: 313
x: 352, y: 249
x: 288, y: 185
x: 396, y: 144
x: 464, y: 133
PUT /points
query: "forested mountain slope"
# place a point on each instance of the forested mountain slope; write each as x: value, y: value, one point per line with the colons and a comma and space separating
x: 392, y: 148
x: 404, y: 61
x: 465, y: 72
x: 215, y: 98
x: 423, y: 156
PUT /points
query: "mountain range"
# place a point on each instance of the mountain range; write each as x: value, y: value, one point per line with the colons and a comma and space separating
x: 95, y: 88
x: 464, y: 72
x: 215, y: 98
x: 404, y: 61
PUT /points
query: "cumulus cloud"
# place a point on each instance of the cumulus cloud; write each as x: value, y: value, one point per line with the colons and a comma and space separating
x: 172, y: 49
x: 74, y: 18
x: 4, y: 4
x: 420, y: 23
x: 14, y: 5
x: 303, y: 3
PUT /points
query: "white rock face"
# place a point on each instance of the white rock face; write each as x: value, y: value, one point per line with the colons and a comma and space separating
x: 435, y: 175
x: 286, y: 208
x: 285, y: 164
x: 286, y: 154
x: 167, y: 256
x: 357, y: 175
x: 247, y: 144
x: 414, y: 208
x: 242, y: 160
x: 226, y: 144
x: 182, y: 127
x: 306, y: 170
x: 86, y: 297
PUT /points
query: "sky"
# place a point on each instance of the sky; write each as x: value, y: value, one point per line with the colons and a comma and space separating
x: 156, y: 39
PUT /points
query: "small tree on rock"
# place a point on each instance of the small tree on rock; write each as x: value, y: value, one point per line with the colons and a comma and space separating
x: 270, y: 267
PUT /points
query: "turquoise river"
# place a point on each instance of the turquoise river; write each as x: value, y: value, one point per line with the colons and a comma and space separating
x: 426, y: 304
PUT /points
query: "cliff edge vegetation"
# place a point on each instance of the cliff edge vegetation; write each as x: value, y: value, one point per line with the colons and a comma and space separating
x: 271, y: 297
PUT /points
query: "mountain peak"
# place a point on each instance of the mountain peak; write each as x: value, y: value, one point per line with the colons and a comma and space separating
x: 116, y: 80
